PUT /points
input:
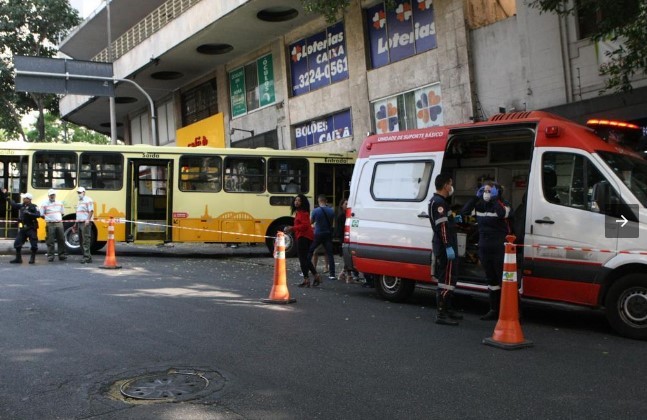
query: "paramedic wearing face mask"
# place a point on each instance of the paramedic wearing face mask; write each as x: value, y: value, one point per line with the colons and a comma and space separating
x: 444, y: 249
x: 492, y: 218
x: 84, y: 213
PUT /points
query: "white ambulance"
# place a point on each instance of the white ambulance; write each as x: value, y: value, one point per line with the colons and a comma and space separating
x: 580, y: 204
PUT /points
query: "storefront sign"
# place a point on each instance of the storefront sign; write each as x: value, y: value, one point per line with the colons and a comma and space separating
x: 237, y: 92
x: 318, y: 60
x: 209, y: 132
x: 333, y: 127
x: 265, y: 70
x: 397, y: 34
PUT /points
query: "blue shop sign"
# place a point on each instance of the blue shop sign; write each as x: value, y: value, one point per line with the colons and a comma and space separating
x: 318, y: 60
x: 334, y: 127
x: 396, y: 34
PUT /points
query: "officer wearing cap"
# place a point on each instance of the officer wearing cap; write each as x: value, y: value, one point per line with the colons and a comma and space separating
x: 52, y: 211
x: 84, y: 214
x: 28, y: 215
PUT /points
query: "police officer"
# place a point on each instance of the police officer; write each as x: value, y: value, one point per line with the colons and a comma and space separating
x: 444, y: 249
x: 52, y: 211
x: 84, y: 214
x: 28, y: 215
x: 492, y: 217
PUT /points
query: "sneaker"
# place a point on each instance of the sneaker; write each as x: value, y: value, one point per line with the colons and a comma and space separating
x: 86, y: 261
x: 62, y: 258
x: 333, y: 277
x: 50, y: 259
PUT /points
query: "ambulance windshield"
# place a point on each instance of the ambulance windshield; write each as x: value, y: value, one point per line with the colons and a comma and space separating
x: 631, y: 170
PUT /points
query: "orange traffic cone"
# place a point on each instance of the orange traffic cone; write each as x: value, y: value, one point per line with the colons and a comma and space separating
x: 111, y: 260
x: 279, y: 292
x: 507, y: 333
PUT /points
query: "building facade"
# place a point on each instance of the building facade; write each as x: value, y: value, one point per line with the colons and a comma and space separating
x: 258, y: 73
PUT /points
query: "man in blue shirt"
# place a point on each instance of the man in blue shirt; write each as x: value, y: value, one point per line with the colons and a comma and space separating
x: 323, y: 217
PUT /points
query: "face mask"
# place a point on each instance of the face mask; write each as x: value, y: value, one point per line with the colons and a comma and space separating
x: 487, y: 196
x: 451, y: 190
x: 80, y: 196
x: 51, y: 199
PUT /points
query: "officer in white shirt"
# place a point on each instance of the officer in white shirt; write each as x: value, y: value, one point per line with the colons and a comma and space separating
x: 84, y: 214
x: 52, y: 211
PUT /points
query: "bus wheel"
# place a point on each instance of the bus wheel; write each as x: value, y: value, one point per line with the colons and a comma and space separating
x: 626, y: 305
x: 290, y: 240
x: 72, y: 238
x: 394, y: 289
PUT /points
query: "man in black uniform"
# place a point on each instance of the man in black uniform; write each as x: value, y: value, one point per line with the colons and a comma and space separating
x: 444, y: 249
x: 28, y: 215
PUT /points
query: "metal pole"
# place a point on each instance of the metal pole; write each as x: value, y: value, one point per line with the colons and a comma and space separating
x: 112, y: 79
x: 113, y: 117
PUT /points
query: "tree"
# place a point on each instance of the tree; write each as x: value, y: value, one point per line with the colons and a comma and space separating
x: 57, y: 131
x: 332, y: 9
x: 615, y: 20
x: 30, y: 28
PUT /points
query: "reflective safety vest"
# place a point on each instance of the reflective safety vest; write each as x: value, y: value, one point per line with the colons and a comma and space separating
x: 84, y: 208
x: 52, y: 211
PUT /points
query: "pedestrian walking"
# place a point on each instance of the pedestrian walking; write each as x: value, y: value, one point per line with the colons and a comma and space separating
x: 347, y: 275
x: 84, y: 216
x: 28, y: 215
x: 493, y: 215
x: 444, y: 249
x: 322, y: 217
x: 52, y: 211
x: 302, y: 229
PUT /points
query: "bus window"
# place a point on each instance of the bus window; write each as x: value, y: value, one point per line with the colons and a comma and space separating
x: 101, y: 171
x: 285, y: 175
x: 53, y: 169
x: 200, y: 173
x: 244, y: 174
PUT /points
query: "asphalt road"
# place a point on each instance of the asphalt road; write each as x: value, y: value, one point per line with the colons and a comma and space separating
x: 72, y: 334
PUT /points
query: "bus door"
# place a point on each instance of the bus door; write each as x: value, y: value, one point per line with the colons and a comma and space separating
x: 332, y: 180
x: 150, y: 187
x: 13, y: 177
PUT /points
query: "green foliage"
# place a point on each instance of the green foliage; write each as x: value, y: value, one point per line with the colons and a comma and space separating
x: 617, y: 20
x: 332, y: 10
x: 57, y: 131
x: 30, y: 28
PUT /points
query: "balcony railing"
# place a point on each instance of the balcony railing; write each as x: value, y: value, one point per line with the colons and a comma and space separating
x: 152, y: 23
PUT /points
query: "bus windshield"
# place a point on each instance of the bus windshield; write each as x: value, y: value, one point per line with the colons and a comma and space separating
x: 631, y: 170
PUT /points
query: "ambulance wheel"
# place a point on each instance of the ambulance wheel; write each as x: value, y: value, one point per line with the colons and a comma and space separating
x: 290, y: 240
x: 394, y: 289
x: 626, y: 305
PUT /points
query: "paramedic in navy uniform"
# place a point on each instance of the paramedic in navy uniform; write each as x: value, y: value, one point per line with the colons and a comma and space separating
x: 492, y: 218
x: 444, y: 248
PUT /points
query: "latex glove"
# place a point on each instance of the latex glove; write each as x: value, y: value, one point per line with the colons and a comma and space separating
x: 494, y: 191
x: 458, y: 219
x: 479, y: 193
x: 450, y: 253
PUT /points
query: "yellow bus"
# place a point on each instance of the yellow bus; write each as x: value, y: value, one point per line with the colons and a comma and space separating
x: 172, y: 194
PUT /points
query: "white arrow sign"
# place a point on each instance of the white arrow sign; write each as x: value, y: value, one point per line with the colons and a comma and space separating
x: 623, y: 221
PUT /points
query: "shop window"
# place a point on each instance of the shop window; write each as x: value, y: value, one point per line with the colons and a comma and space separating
x: 420, y: 108
x: 401, y: 32
x: 199, y: 103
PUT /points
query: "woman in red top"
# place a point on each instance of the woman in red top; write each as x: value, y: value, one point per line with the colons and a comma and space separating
x: 305, y: 235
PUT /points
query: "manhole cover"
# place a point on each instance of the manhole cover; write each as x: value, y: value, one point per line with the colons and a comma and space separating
x: 171, y: 385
